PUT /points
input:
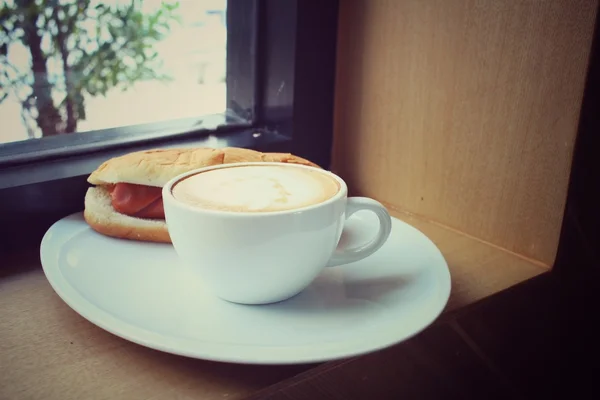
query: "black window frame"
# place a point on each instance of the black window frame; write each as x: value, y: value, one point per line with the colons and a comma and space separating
x: 281, y: 77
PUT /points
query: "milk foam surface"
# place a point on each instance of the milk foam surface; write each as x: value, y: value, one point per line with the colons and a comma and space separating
x: 258, y: 188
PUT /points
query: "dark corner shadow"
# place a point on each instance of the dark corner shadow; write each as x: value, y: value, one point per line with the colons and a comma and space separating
x: 19, y: 262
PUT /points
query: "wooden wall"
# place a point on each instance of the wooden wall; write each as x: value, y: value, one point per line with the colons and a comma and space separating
x: 464, y: 112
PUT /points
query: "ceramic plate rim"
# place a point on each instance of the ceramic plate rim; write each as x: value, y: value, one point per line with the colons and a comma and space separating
x: 221, y: 352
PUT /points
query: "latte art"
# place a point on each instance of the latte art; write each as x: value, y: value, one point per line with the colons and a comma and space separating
x: 260, y: 188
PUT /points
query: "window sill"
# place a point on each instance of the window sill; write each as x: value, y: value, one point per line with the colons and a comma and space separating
x: 478, y: 269
x: 52, y: 352
x: 72, y: 164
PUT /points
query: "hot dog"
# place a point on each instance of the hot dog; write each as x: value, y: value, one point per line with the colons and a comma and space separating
x: 126, y: 201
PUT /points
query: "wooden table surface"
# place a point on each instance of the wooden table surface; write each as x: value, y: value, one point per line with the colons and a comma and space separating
x: 47, y: 351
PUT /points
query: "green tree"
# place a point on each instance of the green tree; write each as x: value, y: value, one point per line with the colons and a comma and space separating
x: 77, y: 47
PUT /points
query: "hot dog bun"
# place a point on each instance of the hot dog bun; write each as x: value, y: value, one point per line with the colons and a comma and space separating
x: 102, y: 217
x: 155, y: 168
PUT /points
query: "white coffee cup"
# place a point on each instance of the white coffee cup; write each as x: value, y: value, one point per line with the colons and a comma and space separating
x: 265, y: 257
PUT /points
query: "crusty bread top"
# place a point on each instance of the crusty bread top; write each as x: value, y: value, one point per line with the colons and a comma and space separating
x: 153, y: 167
x: 156, y: 167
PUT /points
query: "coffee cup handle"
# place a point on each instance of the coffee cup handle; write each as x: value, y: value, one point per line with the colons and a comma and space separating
x: 344, y: 255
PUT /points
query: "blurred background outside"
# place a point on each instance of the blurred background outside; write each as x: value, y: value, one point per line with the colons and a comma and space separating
x: 82, y: 65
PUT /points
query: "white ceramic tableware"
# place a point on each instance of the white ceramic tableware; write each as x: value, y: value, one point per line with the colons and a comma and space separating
x: 141, y: 292
x: 266, y: 257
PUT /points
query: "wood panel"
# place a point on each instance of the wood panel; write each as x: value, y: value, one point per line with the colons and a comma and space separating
x: 478, y: 269
x: 464, y: 111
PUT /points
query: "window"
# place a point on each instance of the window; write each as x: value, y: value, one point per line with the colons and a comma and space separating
x: 98, y: 64
x: 246, y: 73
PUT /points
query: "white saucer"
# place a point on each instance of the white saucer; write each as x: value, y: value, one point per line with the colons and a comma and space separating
x: 139, y: 291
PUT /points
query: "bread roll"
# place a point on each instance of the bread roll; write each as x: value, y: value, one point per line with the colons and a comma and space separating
x: 102, y: 217
x: 155, y: 168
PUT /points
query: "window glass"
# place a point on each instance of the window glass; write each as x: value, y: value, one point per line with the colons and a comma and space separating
x: 84, y: 65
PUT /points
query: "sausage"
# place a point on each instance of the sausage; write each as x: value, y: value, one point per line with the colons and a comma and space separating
x: 154, y: 211
x: 137, y: 200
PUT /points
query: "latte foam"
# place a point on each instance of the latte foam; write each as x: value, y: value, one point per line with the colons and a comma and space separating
x: 260, y: 188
